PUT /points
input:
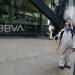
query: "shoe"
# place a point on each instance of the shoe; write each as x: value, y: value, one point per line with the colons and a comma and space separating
x: 61, y: 67
x: 69, y: 67
x: 61, y: 64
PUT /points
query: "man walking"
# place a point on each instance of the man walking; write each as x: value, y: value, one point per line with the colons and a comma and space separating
x: 65, y: 45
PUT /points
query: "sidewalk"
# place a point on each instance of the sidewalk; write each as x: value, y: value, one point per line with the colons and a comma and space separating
x: 30, y: 56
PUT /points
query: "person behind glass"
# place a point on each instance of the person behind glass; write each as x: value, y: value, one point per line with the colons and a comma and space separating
x: 65, y: 45
x: 50, y: 33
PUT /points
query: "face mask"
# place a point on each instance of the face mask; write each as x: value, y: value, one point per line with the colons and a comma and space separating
x: 67, y: 27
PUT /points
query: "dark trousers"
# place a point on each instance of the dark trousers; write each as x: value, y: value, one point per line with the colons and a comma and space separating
x: 74, y: 70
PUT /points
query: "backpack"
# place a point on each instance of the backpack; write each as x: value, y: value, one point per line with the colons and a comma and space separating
x: 62, y: 35
x: 63, y: 32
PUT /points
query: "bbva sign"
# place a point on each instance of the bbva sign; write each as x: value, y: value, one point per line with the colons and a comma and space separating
x: 9, y: 28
